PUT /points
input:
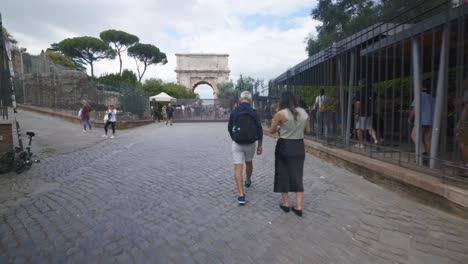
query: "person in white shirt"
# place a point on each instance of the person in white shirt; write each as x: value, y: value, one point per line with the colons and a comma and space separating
x: 322, y: 104
x: 110, y: 118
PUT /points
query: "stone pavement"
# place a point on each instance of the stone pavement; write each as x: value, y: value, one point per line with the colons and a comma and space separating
x: 160, y: 194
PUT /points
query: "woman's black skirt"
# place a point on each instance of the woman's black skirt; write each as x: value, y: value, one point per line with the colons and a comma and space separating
x: 289, y: 165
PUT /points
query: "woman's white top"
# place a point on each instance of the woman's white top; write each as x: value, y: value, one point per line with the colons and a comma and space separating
x: 113, y: 116
x: 293, y: 129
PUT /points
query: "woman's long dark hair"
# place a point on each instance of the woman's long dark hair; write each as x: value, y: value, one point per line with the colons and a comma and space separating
x: 288, y: 101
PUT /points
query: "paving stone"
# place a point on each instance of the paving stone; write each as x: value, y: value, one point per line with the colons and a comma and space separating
x: 160, y: 194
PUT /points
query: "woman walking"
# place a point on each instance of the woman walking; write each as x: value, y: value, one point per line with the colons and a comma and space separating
x: 291, y: 122
x: 85, y: 109
x: 164, y: 114
x: 110, y: 118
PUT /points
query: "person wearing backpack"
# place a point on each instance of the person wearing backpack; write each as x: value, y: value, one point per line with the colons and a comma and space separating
x: 170, y: 113
x: 322, y: 106
x: 245, y: 129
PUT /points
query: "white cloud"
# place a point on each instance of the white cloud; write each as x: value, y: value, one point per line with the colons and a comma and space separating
x: 262, y: 53
x: 264, y: 50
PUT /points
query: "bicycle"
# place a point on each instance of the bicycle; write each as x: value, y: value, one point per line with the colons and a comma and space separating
x: 23, y: 158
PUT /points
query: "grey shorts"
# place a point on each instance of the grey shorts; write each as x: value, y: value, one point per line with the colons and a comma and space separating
x: 364, y: 123
x: 242, y: 153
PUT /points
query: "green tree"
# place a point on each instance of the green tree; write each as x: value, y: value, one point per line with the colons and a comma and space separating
x: 227, y: 90
x: 53, y: 47
x: 146, y: 54
x: 60, y: 59
x: 153, y: 86
x: 156, y: 86
x: 178, y: 91
x: 245, y: 84
x: 53, y: 52
x: 120, y: 40
x: 403, y: 11
x: 86, y: 50
x: 342, y: 18
x: 126, y: 80
x: 10, y: 37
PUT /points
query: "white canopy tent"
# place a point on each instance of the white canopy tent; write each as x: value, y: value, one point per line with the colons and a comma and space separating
x: 162, y: 97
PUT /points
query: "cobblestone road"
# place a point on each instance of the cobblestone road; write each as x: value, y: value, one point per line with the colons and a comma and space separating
x: 162, y: 194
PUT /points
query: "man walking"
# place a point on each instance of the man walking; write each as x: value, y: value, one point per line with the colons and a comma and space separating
x: 155, y: 110
x: 170, y: 113
x: 245, y: 129
x: 322, y: 105
x: 363, y: 110
x: 427, y: 115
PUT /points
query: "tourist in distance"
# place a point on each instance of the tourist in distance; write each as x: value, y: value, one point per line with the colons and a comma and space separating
x: 427, y: 113
x: 292, y: 122
x: 84, y: 114
x: 461, y: 128
x: 110, y: 118
x: 322, y: 106
x: 164, y: 114
x: 170, y: 113
x: 155, y: 110
x: 363, y: 113
x: 245, y: 129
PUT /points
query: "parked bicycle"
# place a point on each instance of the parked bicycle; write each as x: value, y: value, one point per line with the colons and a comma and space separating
x: 23, y: 157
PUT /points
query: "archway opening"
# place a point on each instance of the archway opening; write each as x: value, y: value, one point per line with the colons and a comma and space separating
x: 204, y: 90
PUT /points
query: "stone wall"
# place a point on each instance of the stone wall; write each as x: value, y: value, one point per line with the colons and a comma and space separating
x: 40, y: 82
x: 6, y: 136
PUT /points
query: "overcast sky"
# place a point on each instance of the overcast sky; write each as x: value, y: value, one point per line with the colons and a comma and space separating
x: 263, y: 37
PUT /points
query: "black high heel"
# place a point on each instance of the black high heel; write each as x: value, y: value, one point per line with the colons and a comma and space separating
x: 285, y: 208
x: 297, y: 212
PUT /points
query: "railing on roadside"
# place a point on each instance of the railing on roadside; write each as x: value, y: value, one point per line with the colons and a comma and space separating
x: 194, y: 110
x: 3, y: 111
x: 386, y: 65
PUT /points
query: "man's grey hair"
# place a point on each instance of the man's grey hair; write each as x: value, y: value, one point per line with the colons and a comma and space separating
x: 246, y: 95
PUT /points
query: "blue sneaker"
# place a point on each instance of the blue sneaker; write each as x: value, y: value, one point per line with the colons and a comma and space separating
x: 241, y: 200
x: 247, y: 185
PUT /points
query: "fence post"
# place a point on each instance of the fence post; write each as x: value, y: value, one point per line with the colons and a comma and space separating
x: 440, y: 98
x: 342, y: 108
x: 417, y: 96
x: 350, y: 92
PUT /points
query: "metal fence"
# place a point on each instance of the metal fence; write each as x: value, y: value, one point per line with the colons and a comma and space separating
x: 39, y: 82
x: 200, y: 109
x: 391, y: 59
x: 3, y: 110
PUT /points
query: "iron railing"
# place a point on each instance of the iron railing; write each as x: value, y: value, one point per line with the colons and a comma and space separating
x: 393, y: 57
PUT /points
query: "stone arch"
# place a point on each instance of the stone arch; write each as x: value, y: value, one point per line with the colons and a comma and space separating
x: 212, y: 83
x: 195, y: 69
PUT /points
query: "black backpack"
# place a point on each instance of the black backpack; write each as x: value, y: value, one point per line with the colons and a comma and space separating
x: 244, y: 129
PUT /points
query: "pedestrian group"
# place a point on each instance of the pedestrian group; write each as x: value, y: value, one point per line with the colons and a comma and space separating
x: 110, y: 116
x: 291, y: 122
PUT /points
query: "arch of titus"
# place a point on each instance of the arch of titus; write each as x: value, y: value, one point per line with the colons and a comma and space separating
x: 198, y: 68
